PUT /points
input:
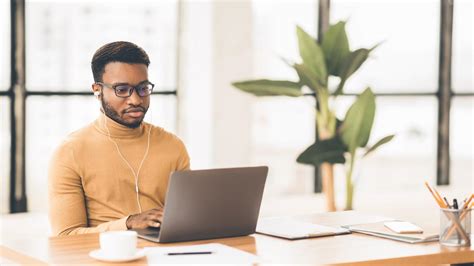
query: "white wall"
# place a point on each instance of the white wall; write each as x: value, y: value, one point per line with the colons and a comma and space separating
x: 217, y: 49
x: 232, y: 38
x: 195, y: 84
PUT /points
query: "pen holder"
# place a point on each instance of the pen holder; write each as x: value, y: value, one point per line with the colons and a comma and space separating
x: 455, y: 227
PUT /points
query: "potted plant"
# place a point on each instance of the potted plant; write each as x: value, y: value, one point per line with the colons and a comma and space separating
x: 338, y: 141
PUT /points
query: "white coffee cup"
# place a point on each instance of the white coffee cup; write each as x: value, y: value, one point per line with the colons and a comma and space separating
x: 118, y: 244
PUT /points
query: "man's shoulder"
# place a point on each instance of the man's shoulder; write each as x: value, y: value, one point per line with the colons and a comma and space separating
x: 78, y: 137
x: 163, y: 135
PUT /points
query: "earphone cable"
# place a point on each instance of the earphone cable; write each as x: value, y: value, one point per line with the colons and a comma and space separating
x: 136, y: 175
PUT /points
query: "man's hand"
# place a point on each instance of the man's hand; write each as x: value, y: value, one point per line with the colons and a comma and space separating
x: 150, y: 218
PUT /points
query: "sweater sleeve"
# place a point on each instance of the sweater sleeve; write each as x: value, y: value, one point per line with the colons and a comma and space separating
x: 67, y: 209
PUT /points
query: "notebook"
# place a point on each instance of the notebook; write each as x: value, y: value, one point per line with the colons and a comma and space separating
x: 380, y: 230
x: 292, y: 229
x: 212, y: 253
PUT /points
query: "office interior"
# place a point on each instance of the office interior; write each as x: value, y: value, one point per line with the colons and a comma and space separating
x: 421, y: 74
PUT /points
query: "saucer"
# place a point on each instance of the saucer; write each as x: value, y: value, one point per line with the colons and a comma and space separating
x: 98, y: 254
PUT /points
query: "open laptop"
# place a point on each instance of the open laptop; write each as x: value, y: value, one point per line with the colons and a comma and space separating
x: 213, y: 203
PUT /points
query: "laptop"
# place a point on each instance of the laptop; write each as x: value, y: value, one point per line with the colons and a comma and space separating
x: 214, y: 203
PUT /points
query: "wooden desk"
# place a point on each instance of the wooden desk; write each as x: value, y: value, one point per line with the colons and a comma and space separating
x: 345, y: 249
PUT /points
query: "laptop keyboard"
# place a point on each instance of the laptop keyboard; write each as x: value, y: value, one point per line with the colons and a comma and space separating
x: 148, y: 232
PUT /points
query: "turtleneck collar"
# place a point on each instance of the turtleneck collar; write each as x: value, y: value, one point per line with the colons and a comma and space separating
x: 116, y: 130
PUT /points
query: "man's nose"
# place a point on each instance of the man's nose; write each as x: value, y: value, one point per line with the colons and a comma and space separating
x: 134, y: 99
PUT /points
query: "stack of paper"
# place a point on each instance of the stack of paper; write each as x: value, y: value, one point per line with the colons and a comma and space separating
x: 219, y: 254
x: 294, y: 229
x: 379, y: 230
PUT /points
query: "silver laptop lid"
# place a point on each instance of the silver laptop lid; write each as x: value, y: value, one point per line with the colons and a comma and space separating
x: 213, y: 203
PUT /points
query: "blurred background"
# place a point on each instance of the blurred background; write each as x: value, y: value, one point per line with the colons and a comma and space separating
x: 197, y: 48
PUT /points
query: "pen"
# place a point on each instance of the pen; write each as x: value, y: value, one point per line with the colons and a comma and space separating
x: 447, y: 202
x: 189, y: 253
x: 455, y: 204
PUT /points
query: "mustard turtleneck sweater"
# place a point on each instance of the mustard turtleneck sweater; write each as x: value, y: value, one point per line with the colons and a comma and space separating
x: 91, y: 188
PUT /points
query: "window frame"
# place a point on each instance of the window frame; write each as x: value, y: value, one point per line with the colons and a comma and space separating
x: 444, y: 94
x: 17, y: 94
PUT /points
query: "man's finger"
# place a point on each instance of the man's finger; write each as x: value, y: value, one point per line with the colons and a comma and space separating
x: 151, y: 212
x: 155, y: 214
x: 154, y: 224
x: 154, y: 217
x: 157, y: 211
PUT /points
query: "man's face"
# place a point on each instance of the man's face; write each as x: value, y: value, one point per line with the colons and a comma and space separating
x: 126, y: 111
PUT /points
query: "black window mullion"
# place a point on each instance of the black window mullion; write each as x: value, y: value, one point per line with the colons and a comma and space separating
x: 17, y: 94
x: 444, y: 92
x: 322, y: 26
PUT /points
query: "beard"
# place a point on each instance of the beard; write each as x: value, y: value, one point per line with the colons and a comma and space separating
x: 111, y: 113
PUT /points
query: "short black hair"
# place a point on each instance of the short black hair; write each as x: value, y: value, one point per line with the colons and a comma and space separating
x: 121, y: 51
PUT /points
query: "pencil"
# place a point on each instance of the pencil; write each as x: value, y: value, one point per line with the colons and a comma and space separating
x: 439, y: 196
x: 434, y: 196
x: 466, y: 204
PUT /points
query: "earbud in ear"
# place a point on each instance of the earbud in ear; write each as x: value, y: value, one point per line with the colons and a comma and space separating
x: 97, y: 93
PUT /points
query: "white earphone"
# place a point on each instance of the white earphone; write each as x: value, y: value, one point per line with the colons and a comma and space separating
x: 97, y: 93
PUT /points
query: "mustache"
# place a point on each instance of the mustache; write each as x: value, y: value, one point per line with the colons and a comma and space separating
x: 135, y: 109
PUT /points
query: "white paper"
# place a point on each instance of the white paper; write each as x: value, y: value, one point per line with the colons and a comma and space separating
x: 221, y: 254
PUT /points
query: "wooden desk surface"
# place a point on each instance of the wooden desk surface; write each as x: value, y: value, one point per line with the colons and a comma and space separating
x: 354, y: 248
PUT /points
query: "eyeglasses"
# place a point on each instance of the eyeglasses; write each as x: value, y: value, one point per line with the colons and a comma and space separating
x: 125, y: 90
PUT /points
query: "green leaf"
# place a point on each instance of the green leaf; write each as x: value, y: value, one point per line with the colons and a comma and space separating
x: 265, y: 87
x: 335, y: 46
x: 351, y: 64
x: 355, y: 130
x: 330, y: 150
x: 306, y: 78
x: 312, y: 56
x: 379, y: 143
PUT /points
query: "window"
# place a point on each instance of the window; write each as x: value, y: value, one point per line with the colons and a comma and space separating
x: 462, y: 145
x: 405, y: 63
x: 463, y: 51
x: 4, y: 46
x: 4, y: 153
x: 462, y: 109
x: 61, y: 39
x: 63, y: 36
x: 411, y: 156
x: 4, y: 105
x: 407, y: 58
x: 281, y: 127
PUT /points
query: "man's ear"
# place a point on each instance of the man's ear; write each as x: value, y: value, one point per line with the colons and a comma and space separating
x: 97, y: 90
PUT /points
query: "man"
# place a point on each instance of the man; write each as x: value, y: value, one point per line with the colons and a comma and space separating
x: 113, y: 173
